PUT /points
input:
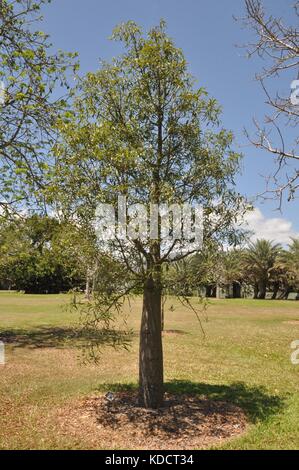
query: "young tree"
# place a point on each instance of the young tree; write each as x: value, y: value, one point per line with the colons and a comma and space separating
x: 141, y: 129
x: 29, y: 73
x: 277, y: 43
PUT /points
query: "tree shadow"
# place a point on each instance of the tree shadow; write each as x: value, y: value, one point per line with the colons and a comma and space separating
x: 44, y: 337
x: 56, y: 337
x: 255, y: 401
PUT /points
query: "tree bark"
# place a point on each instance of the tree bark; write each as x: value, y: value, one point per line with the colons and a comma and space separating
x: 94, y: 276
x: 262, y: 290
x: 275, y: 291
x: 151, y: 353
x: 162, y: 315
x: 87, y: 286
x: 284, y: 295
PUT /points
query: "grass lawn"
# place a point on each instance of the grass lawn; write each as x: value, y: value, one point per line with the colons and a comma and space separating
x: 244, y: 359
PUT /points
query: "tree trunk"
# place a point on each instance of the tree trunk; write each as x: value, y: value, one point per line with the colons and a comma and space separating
x: 262, y: 290
x: 162, y: 313
x: 94, y: 276
x: 151, y: 354
x: 275, y: 291
x: 87, y: 286
x: 256, y: 291
x: 284, y: 295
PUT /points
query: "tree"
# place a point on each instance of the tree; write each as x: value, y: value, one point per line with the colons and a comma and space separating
x: 287, y: 269
x: 29, y: 73
x: 40, y: 255
x: 278, y: 45
x: 77, y: 251
x: 229, y: 272
x: 290, y: 259
x: 259, y: 260
x: 141, y: 129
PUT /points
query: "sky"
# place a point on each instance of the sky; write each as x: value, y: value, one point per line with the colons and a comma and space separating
x: 210, y: 38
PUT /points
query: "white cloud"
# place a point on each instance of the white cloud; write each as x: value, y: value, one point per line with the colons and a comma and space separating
x: 278, y: 229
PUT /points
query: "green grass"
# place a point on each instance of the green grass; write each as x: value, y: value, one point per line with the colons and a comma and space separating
x: 244, y: 358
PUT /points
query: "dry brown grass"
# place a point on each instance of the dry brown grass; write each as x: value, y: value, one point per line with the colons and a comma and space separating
x: 244, y: 360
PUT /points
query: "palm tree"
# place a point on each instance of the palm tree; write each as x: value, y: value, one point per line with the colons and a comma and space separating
x: 228, y: 271
x: 259, y: 260
x: 287, y: 265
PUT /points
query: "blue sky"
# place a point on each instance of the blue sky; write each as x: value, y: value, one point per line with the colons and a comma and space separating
x: 208, y: 35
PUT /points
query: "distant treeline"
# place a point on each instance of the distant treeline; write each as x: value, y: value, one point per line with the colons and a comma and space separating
x: 40, y: 254
x: 255, y: 270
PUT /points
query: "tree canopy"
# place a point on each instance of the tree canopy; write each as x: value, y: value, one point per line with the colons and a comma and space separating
x: 140, y: 128
x: 30, y: 74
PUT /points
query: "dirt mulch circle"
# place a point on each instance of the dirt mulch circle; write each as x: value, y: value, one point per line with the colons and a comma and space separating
x: 184, y: 422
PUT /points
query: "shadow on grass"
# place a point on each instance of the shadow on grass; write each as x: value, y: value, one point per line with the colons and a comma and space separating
x: 44, y: 337
x: 256, y: 402
x: 58, y: 337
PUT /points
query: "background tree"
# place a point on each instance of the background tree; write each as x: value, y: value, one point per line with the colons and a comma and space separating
x: 77, y: 251
x: 259, y: 260
x: 290, y: 260
x: 40, y: 255
x: 286, y: 269
x: 30, y: 73
x: 277, y: 43
x: 229, y: 271
x: 141, y: 129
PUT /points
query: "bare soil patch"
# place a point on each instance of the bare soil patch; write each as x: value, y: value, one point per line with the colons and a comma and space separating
x: 184, y: 422
x: 173, y: 332
x: 292, y: 322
